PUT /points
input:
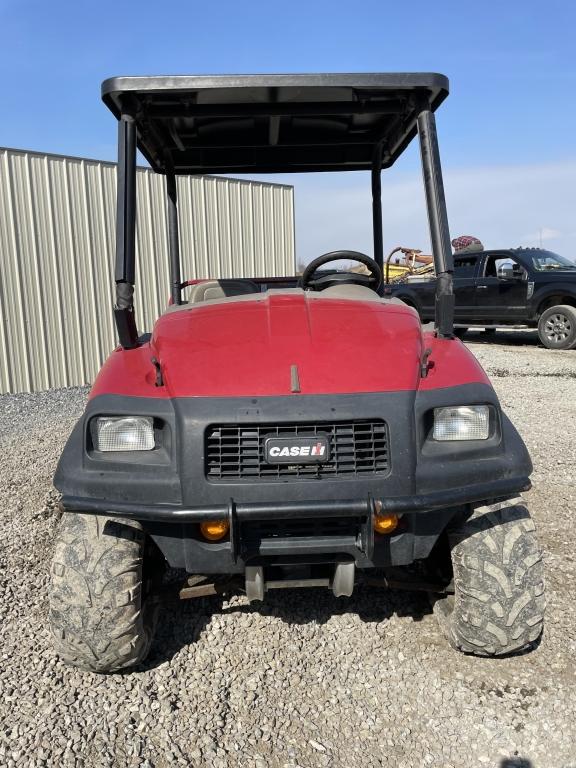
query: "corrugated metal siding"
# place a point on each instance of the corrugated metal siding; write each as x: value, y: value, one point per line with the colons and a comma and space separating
x: 57, y: 224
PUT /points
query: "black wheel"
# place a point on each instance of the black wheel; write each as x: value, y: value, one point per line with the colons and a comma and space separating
x: 557, y: 327
x: 101, y: 614
x: 498, y: 603
x: 460, y: 332
x: 489, y: 333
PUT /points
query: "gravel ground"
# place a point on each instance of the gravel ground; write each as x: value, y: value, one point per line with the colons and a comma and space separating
x: 306, y: 679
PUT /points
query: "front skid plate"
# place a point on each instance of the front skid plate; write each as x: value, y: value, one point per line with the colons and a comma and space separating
x: 341, y: 583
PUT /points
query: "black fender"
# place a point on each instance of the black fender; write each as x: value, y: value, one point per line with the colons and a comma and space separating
x: 538, y: 300
x: 408, y: 296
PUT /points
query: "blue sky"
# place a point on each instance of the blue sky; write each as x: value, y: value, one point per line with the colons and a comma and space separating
x: 506, y: 131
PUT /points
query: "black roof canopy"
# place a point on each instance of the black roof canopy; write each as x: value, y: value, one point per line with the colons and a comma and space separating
x: 273, y: 123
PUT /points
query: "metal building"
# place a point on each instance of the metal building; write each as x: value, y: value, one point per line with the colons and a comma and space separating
x: 57, y: 220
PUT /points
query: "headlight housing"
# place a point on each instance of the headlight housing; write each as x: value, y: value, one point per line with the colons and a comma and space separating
x: 122, y: 433
x: 462, y: 422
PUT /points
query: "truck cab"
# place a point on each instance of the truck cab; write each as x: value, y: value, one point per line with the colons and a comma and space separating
x: 513, y: 287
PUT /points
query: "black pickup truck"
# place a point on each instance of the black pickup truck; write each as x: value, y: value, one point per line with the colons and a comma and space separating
x: 516, y: 287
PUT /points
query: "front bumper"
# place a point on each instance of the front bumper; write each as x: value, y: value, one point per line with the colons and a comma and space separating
x: 309, y: 531
x: 296, y: 510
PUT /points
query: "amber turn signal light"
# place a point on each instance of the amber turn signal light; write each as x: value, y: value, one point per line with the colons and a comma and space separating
x: 214, y: 530
x: 385, y: 523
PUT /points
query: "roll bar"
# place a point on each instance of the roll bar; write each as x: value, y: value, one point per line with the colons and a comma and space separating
x: 376, y: 179
x: 437, y: 222
x: 173, y: 237
x: 125, y: 271
x: 126, y: 223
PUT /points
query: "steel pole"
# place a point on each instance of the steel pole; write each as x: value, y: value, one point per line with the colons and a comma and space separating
x: 438, y: 223
x: 173, y: 238
x: 126, y: 233
x: 377, y: 205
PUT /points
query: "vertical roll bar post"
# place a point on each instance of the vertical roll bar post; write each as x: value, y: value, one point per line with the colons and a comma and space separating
x: 437, y: 220
x: 377, y: 204
x: 125, y: 268
x: 173, y: 235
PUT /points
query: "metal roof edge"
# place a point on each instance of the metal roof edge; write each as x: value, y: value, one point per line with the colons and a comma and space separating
x: 124, y: 83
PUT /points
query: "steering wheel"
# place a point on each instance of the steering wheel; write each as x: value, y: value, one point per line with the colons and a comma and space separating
x: 372, y: 280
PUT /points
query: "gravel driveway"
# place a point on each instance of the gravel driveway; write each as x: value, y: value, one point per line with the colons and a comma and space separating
x: 305, y: 679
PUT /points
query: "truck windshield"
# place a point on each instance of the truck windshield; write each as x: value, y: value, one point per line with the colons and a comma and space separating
x: 545, y: 260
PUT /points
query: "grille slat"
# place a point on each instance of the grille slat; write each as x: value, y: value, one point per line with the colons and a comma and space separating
x: 236, y: 451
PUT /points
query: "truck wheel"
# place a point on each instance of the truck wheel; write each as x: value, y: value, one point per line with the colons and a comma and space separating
x: 100, y: 616
x: 557, y: 327
x: 460, y: 332
x: 498, y: 603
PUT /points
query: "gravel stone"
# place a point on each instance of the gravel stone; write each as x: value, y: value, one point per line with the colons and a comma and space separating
x: 303, y: 679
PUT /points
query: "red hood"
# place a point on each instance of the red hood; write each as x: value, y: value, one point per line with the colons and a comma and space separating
x: 248, y: 348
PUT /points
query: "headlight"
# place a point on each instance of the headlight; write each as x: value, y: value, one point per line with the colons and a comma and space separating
x: 464, y: 422
x: 122, y: 433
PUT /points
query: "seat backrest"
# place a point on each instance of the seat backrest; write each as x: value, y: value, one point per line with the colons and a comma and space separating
x: 346, y: 291
x: 220, y: 289
x: 212, y: 290
x: 356, y: 292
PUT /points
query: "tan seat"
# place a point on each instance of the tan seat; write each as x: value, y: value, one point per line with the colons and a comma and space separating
x: 211, y: 290
x: 345, y: 291
x: 357, y: 292
x: 220, y: 289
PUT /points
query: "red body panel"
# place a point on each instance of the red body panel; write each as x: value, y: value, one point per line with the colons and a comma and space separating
x: 247, y: 348
x: 452, y: 364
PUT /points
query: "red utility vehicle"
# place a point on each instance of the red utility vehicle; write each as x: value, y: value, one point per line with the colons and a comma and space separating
x: 292, y: 433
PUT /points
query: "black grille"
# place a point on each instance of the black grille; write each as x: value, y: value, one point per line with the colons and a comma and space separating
x: 236, y: 451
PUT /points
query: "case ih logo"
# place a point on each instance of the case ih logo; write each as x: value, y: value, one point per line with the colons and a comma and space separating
x: 297, y: 450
